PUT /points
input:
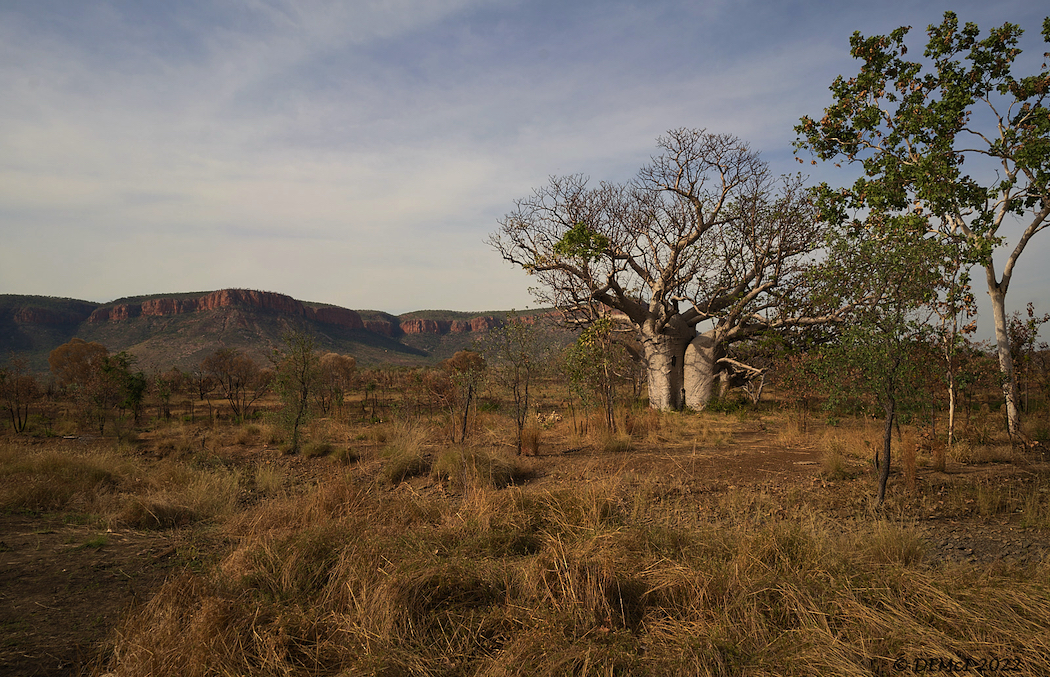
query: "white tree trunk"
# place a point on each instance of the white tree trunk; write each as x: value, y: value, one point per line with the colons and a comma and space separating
x: 1006, y: 361
x: 701, y: 369
x: 952, y: 390
x: 664, y: 356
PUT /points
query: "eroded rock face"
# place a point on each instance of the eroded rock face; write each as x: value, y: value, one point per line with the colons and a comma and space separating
x: 382, y: 327
x: 228, y: 298
x: 160, y: 307
x: 225, y: 298
x: 476, y: 324
x: 339, y: 316
x: 246, y: 298
x: 122, y: 311
x: 485, y: 323
x: 425, y: 326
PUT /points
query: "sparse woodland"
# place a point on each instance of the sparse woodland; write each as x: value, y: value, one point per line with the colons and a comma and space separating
x: 722, y: 475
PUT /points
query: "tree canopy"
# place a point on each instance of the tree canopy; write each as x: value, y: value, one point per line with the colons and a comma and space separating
x: 703, y: 234
x: 955, y: 138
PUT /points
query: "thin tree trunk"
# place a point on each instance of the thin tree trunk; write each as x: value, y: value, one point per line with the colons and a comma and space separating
x: 1006, y: 360
x: 951, y: 407
x: 466, y: 413
x: 887, y: 439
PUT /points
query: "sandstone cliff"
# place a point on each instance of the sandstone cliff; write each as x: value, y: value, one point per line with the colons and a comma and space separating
x: 228, y: 298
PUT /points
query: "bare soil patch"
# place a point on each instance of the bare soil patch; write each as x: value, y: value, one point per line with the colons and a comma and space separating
x: 63, y: 587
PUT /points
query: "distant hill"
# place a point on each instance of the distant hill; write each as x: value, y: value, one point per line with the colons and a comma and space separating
x: 179, y: 330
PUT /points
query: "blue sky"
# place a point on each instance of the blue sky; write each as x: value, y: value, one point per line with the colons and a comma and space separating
x: 359, y: 153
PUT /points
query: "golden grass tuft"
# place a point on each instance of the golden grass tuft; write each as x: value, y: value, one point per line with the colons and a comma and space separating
x: 530, y: 439
x: 403, y: 454
x: 324, y: 570
x: 476, y: 468
x: 609, y: 579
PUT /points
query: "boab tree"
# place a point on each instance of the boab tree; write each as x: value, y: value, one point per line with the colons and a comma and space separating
x: 911, y: 126
x: 703, y: 234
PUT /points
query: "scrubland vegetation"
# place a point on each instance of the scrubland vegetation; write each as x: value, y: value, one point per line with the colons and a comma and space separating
x: 651, y: 543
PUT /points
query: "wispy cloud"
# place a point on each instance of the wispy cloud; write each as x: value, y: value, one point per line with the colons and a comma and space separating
x: 359, y: 153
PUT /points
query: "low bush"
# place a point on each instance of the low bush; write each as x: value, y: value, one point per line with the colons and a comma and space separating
x: 474, y: 468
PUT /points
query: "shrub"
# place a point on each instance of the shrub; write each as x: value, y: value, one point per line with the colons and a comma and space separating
x: 467, y: 469
x: 403, y: 454
x: 315, y: 449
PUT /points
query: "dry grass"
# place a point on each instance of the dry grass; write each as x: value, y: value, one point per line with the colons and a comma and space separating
x: 473, y: 468
x: 792, y: 431
x: 403, y: 454
x: 353, y: 571
x: 909, y: 451
x: 114, y: 486
x: 614, y: 443
x: 270, y: 480
x: 597, y: 581
x: 530, y: 439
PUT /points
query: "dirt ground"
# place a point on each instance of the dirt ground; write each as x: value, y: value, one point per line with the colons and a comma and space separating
x: 63, y: 587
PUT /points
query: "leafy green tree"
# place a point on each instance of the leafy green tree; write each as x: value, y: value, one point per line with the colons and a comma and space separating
x: 892, y: 264
x: 956, y: 313
x: 166, y: 386
x: 956, y: 138
x: 1024, y: 331
x: 298, y: 375
x: 131, y: 385
x: 114, y: 390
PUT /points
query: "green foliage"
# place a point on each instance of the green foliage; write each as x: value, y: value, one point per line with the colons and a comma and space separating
x: 594, y: 365
x: 582, y: 242
x: 893, y: 269
x: 908, y: 125
x: 911, y: 126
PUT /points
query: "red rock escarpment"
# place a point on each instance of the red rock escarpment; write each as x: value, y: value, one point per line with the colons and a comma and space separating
x: 246, y: 298
x: 228, y: 298
x: 476, y: 324
x: 384, y: 327
x: 122, y: 311
x: 485, y: 323
x: 340, y: 316
x: 425, y: 326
